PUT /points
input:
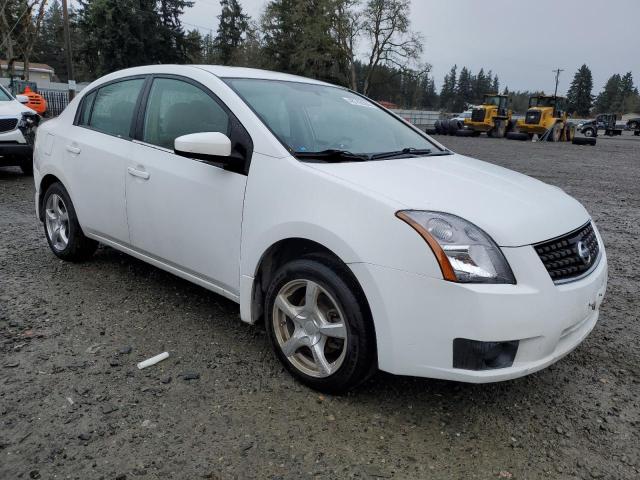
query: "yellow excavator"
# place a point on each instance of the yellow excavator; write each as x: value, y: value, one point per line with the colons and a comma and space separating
x: 547, y: 117
x: 492, y: 117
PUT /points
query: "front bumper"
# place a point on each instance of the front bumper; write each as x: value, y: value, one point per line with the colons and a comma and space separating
x: 417, y: 318
x: 13, y: 149
x: 13, y: 143
x: 478, y: 126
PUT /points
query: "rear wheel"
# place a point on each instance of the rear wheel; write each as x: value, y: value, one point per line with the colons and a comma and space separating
x: 61, y: 227
x: 319, y: 326
x: 589, y: 132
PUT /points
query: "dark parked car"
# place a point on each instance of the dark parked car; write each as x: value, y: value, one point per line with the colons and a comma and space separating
x: 634, y: 123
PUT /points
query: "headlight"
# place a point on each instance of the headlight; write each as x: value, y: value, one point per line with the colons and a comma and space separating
x: 466, y: 254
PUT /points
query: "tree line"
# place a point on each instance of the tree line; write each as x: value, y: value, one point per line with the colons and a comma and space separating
x: 366, y: 45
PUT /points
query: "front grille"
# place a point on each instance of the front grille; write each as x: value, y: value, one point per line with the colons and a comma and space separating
x: 570, y: 256
x: 477, y: 115
x: 532, y: 118
x: 8, y: 124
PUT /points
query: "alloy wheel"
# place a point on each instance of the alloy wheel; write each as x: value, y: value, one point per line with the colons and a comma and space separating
x: 310, y: 328
x: 57, y: 222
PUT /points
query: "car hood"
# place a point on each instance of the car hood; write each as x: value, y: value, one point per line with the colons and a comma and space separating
x: 513, y: 208
x: 12, y: 108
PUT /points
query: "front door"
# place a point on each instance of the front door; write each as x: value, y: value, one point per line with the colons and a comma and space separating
x: 181, y: 211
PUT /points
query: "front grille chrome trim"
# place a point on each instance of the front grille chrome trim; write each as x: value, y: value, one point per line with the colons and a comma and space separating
x: 560, y: 258
x: 582, y: 275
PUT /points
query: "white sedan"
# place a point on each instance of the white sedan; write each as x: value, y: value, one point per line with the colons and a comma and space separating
x: 361, y: 242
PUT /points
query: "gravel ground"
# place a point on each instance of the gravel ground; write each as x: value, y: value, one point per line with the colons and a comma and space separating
x: 74, y: 405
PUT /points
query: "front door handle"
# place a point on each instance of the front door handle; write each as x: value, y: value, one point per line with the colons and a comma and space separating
x: 72, y: 149
x: 138, y: 173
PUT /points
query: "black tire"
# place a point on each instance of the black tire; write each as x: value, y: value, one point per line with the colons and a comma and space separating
x: 584, y: 141
x: 569, y: 133
x: 437, y: 127
x: 512, y: 126
x: 360, y: 359
x: 634, y: 125
x: 26, y: 165
x: 454, y: 126
x: 500, y: 129
x: 78, y: 247
x: 556, y: 133
x: 465, y: 132
x: 589, y: 132
x: 444, y: 127
x: 518, y: 136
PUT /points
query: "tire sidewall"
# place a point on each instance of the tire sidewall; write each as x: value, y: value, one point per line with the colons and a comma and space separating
x: 360, y: 337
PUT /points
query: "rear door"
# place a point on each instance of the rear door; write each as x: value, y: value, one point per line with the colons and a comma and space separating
x: 182, y: 211
x: 97, y: 151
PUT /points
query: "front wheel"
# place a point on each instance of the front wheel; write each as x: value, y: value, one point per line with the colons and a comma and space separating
x: 319, y: 325
x: 61, y: 227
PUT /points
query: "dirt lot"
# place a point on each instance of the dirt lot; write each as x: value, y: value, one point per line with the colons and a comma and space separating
x: 74, y: 405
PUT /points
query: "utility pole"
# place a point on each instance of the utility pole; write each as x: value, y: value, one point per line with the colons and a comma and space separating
x: 558, y: 71
x: 67, y: 48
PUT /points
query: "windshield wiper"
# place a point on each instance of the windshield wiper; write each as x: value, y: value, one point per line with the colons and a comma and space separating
x: 332, y: 156
x: 399, y: 153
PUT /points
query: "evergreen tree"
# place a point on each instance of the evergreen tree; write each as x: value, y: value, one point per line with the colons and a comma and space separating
x: 232, y: 30
x: 448, y: 91
x: 579, y: 97
x: 608, y: 98
x: 495, y: 85
x: 627, y: 95
x: 298, y: 38
x: 172, y: 37
x: 193, y: 43
x: 464, y: 90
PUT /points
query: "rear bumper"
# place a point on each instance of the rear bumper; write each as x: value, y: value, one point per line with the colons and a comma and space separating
x: 418, y: 318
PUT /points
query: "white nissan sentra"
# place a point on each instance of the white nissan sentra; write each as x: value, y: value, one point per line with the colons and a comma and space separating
x: 361, y: 242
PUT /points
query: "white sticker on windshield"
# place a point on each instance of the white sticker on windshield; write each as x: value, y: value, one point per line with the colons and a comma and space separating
x: 358, y: 102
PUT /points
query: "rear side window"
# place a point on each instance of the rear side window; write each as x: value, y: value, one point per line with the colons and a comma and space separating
x: 177, y: 108
x: 113, y: 107
x: 85, y: 110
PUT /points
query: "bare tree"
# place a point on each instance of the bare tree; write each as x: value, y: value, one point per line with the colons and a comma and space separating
x: 30, y: 32
x: 386, y: 23
x: 347, y: 30
x: 20, y: 32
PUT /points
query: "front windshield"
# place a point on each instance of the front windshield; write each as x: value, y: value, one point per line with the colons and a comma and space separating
x: 492, y: 100
x: 315, y: 118
x: 4, y: 95
x: 542, y: 102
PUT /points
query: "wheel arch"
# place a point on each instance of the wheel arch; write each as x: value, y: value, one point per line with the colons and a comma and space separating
x: 46, y: 181
x: 283, y: 251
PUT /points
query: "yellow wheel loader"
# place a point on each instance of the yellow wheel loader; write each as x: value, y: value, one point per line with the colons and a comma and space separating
x: 547, y: 117
x: 492, y: 117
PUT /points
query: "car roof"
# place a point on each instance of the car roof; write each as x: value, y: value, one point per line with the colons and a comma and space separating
x: 242, y: 72
x: 217, y: 70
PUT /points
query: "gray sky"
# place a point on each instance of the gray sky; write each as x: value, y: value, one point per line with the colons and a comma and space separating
x: 520, y: 41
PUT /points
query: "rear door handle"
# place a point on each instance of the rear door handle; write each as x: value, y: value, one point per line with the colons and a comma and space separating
x: 72, y: 149
x: 138, y: 173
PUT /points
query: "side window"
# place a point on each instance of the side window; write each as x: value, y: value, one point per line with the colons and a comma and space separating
x: 114, y: 105
x: 177, y: 108
x: 85, y: 111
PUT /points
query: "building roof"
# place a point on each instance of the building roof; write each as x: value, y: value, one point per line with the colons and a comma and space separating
x: 33, y: 67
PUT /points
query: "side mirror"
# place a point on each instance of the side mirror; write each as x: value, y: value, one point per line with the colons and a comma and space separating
x: 22, y: 99
x: 208, y: 146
